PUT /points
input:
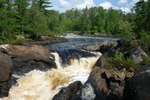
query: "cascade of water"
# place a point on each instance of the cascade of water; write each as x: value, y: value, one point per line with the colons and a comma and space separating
x: 38, y: 85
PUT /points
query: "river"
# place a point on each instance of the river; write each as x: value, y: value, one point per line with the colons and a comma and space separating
x: 78, y: 41
x: 73, y: 64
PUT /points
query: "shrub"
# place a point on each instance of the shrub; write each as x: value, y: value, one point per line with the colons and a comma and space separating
x: 119, y: 61
x: 146, y: 60
x: 18, y: 41
x: 144, y: 43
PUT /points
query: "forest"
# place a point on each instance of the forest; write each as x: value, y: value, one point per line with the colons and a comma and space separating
x: 32, y: 19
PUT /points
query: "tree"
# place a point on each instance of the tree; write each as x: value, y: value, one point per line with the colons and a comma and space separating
x: 36, y: 25
x: 126, y: 29
x: 43, y: 4
x: 8, y: 23
x: 142, y: 12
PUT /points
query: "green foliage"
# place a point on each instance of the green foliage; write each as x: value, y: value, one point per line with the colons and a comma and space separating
x: 119, y: 61
x: 3, y: 38
x: 142, y: 19
x: 26, y: 36
x: 145, y: 61
x: 126, y: 29
x: 33, y: 18
x: 145, y: 43
x: 17, y: 41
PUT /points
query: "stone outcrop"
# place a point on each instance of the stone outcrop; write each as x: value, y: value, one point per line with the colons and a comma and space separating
x: 27, y: 58
x: 107, y: 84
x: 26, y: 53
x: 5, y: 73
x: 103, y: 47
x: 68, y: 92
x: 138, y: 86
x: 137, y: 54
x: 18, y: 60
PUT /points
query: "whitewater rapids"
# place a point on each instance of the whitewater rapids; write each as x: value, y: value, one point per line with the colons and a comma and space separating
x: 39, y: 85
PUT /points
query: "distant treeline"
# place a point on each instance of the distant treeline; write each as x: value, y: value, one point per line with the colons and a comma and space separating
x: 31, y: 19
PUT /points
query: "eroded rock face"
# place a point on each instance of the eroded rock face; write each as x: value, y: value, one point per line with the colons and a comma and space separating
x: 108, y: 85
x: 136, y: 54
x: 68, y: 92
x: 103, y: 47
x: 138, y: 86
x: 27, y: 58
x: 26, y: 53
x: 5, y: 73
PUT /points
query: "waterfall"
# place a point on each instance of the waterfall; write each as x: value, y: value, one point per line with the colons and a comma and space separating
x: 39, y: 85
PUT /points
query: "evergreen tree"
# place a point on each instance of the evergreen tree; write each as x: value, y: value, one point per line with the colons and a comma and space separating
x: 8, y: 24
x: 142, y: 11
x: 36, y: 25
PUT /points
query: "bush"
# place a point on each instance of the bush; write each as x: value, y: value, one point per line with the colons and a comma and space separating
x: 145, y: 61
x: 18, y: 41
x: 145, y: 43
x: 121, y: 62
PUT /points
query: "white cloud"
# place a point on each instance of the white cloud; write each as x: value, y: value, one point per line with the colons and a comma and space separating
x: 63, y: 3
x: 69, y: 4
x: 122, y: 2
x: 83, y: 3
x: 125, y: 9
x: 107, y: 5
x: 132, y: 3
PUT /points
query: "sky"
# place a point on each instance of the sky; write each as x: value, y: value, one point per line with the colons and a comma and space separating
x: 63, y: 5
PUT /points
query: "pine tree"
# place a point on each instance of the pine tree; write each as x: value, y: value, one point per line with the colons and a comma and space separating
x: 8, y: 23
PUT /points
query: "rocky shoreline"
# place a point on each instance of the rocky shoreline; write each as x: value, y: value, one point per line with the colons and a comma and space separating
x: 45, y: 40
x: 107, y: 83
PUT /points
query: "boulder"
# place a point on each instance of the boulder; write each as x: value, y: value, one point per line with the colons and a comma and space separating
x: 5, y: 73
x: 103, y: 47
x: 129, y: 74
x: 68, y: 92
x: 138, y: 86
x: 102, y: 62
x: 117, y: 91
x: 86, y: 92
x: 27, y: 58
x: 99, y: 83
x: 106, y: 84
x: 137, y: 53
x: 26, y: 53
x: 94, y: 47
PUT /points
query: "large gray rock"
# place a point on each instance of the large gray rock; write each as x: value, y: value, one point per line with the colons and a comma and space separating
x: 138, y: 86
x: 137, y: 53
x: 27, y: 58
x: 86, y: 92
x: 26, y: 53
x: 5, y: 73
x: 106, y: 84
x: 94, y: 47
x: 103, y: 47
x: 68, y: 92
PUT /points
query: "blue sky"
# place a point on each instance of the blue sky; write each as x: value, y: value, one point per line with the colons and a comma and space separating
x: 63, y: 5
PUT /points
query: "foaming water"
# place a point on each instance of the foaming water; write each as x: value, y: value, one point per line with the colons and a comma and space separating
x: 38, y: 85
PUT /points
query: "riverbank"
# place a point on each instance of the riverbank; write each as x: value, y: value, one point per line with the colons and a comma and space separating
x: 45, y: 40
x: 107, y: 80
